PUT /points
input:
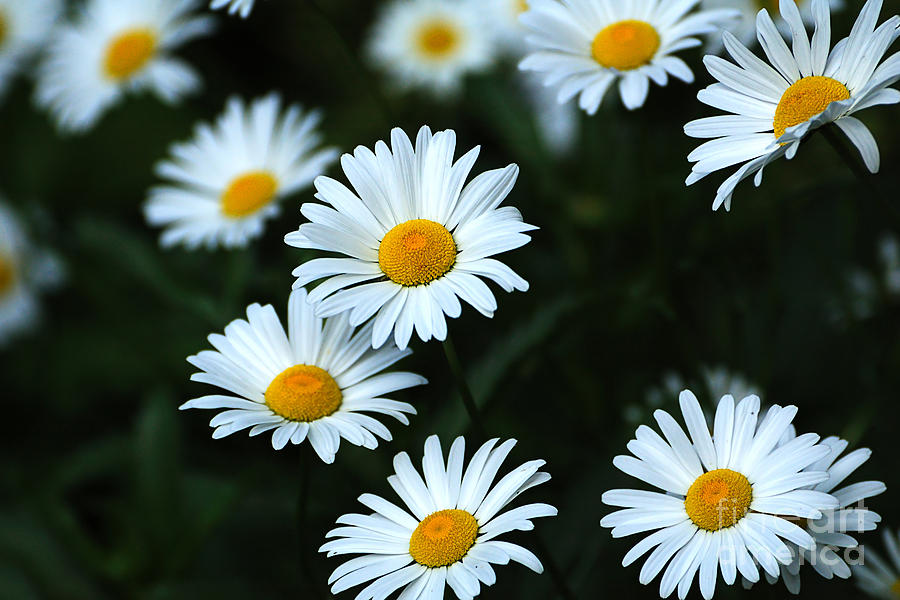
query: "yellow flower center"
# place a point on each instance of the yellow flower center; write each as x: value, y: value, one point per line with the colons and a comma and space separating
x: 303, y: 393
x: 3, y: 29
x: 625, y: 45
x: 248, y: 193
x: 417, y: 252
x: 805, y: 99
x: 718, y: 499
x: 129, y: 53
x: 896, y: 588
x: 443, y: 538
x: 522, y: 6
x: 438, y: 39
x: 7, y: 275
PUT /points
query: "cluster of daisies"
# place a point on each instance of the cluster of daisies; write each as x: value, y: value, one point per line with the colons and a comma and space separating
x: 411, y: 235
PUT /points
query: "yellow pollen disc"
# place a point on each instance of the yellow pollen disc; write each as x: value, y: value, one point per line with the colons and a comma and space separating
x: 7, y: 275
x: 438, y: 39
x: 896, y: 588
x: 522, y: 6
x: 718, y: 499
x: 805, y: 99
x: 625, y: 45
x: 443, y: 538
x: 248, y: 193
x: 129, y: 53
x: 417, y: 252
x: 3, y: 29
x: 303, y: 393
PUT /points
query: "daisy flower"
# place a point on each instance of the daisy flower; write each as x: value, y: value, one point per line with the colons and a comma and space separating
x: 114, y: 47
x: 832, y: 531
x: 744, y: 27
x: 880, y: 577
x: 316, y: 382
x: 241, y: 7
x: 24, y: 28
x: 227, y: 181
x: 727, y: 499
x: 450, y: 537
x: 584, y: 46
x: 503, y: 19
x: 774, y: 107
x: 431, y: 44
x: 415, y: 236
x: 25, y: 271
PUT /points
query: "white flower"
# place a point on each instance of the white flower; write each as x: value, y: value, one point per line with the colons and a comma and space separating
x: 556, y: 123
x: 583, y: 46
x: 241, y: 7
x: 114, y: 47
x: 25, y: 271
x: 727, y: 497
x: 744, y: 27
x: 415, y: 236
x: 316, y: 382
x: 832, y: 531
x: 431, y: 44
x: 503, y: 19
x: 225, y: 183
x: 450, y: 537
x: 775, y: 107
x: 880, y: 577
x: 24, y: 27
x: 721, y: 382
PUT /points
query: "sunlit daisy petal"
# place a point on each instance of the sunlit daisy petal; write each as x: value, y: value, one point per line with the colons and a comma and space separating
x: 726, y: 494
x: 24, y: 28
x: 114, y: 47
x: 744, y: 27
x: 431, y: 44
x: 316, y: 381
x: 418, y: 237
x: 239, y: 7
x: 775, y: 105
x: 449, y: 539
x: 582, y: 47
x: 228, y: 180
x: 879, y: 576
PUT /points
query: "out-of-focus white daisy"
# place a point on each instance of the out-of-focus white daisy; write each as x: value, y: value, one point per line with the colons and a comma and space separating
x: 727, y: 498
x: 557, y: 123
x: 25, y: 271
x: 877, y: 576
x: 503, y: 19
x: 241, y: 7
x: 431, y: 44
x: 415, y: 236
x: 316, y: 382
x: 227, y: 181
x: 721, y: 381
x: 775, y: 107
x: 114, y: 47
x: 450, y: 537
x: 744, y: 28
x: 889, y: 254
x: 583, y: 46
x: 832, y: 531
x: 24, y: 28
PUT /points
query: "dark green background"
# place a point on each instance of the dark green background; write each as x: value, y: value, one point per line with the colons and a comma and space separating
x: 107, y: 491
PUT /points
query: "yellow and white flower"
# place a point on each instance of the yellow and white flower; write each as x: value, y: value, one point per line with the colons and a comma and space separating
x: 582, y: 47
x: 24, y: 29
x: 431, y: 44
x: 316, y: 382
x: 503, y: 19
x: 878, y: 576
x: 116, y: 47
x: 774, y: 107
x: 240, y: 7
x: 415, y: 237
x: 25, y: 271
x: 832, y: 532
x: 727, y: 498
x: 228, y: 180
x: 447, y: 534
x: 744, y: 27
